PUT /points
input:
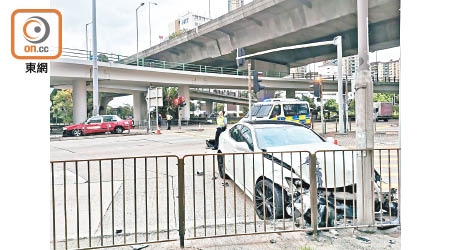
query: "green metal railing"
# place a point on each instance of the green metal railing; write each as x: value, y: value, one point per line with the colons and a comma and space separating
x: 129, y: 60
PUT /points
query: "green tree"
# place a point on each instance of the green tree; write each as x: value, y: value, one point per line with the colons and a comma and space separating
x: 331, y: 105
x: 169, y: 94
x: 219, y: 107
x: 382, y: 97
x: 310, y: 101
x: 61, y: 109
x: 103, y: 58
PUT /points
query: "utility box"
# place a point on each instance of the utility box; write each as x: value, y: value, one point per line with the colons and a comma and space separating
x: 383, y: 110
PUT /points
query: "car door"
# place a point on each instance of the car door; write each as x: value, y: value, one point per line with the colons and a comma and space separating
x: 229, y: 145
x: 108, y: 123
x: 93, y: 125
x: 244, y: 162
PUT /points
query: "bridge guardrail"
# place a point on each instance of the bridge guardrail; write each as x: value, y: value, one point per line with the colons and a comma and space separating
x: 121, y: 59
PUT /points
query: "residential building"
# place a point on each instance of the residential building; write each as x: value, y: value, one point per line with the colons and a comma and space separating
x: 385, y: 71
x: 174, y: 27
x: 350, y: 65
x: 234, y: 4
x: 328, y: 69
x: 190, y: 21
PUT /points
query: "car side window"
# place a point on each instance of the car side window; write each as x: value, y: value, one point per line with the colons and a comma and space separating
x: 235, y: 133
x: 107, y: 119
x: 95, y: 120
x: 247, y: 137
x: 276, y: 111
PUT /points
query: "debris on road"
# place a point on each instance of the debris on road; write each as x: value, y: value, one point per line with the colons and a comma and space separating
x: 363, y: 239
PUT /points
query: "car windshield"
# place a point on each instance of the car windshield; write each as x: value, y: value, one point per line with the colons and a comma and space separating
x: 284, y: 136
x: 255, y: 109
x: 295, y: 109
x: 263, y: 111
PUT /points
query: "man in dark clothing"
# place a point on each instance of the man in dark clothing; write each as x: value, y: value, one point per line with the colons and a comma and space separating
x: 221, y: 126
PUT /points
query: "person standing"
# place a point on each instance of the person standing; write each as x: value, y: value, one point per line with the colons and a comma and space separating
x: 169, y: 121
x: 221, y: 126
x: 159, y: 120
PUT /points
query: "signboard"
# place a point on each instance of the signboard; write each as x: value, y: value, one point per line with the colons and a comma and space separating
x: 155, y: 97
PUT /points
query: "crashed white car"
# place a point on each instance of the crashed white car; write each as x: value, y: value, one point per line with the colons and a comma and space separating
x: 271, y: 174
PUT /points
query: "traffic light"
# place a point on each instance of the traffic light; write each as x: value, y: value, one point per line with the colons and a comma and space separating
x: 256, y: 86
x: 317, y: 87
x: 240, y: 62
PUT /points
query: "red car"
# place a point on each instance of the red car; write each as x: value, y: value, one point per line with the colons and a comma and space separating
x: 99, y: 124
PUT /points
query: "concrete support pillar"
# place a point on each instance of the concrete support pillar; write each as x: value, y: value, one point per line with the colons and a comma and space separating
x: 290, y: 93
x: 185, y: 111
x: 79, y: 98
x: 104, y: 104
x: 209, y: 107
x: 139, y: 106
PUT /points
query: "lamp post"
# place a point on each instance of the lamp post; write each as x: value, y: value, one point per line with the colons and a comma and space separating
x: 87, y: 46
x: 94, y: 60
x: 137, y: 35
x: 149, y: 22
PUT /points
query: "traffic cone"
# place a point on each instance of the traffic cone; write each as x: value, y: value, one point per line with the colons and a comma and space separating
x: 335, y: 141
x: 199, y: 127
x: 158, y: 131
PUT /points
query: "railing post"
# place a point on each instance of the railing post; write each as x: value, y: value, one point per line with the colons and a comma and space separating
x: 183, y: 66
x: 118, y: 58
x: 221, y: 70
x: 181, y: 205
x: 237, y: 71
x: 164, y: 64
x: 313, y: 192
x: 200, y: 68
x: 143, y: 64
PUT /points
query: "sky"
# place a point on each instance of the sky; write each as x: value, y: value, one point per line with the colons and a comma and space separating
x: 116, y: 25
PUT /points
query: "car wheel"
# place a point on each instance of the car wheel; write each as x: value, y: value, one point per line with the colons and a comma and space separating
x: 118, y: 130
x: 77, y: 132
x: 272, y: 207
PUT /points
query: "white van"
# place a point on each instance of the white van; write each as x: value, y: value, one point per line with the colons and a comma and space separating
x: 282, y: 109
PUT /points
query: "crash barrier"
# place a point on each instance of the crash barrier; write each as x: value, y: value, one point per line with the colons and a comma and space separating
x: 126, y: 201
x: 114, y: 202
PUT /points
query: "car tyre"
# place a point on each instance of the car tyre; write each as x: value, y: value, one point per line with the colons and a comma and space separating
x: 77, y: 132
x: 271, y: 208
x: 118, y: 130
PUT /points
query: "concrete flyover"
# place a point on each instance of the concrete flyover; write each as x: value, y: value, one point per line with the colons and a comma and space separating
x: 119, y: 78
x: 128, y: 79
x: 268, y: 24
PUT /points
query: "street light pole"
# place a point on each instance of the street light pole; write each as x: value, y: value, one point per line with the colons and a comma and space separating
x: 87, y: 45
x: 364, y: 122
x: 94, y: 60
x: 149, y: 22
x: 137, y: 35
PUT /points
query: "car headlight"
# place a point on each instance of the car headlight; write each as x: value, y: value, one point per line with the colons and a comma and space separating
x: 64, y: 128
